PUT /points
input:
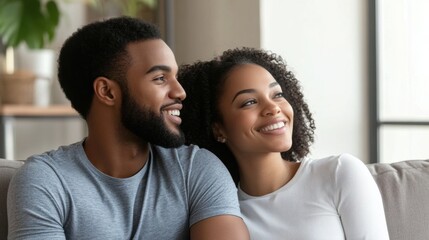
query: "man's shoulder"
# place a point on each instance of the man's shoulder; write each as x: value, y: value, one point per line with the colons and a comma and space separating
x: 49, y: 161
x: 185, y: 152
x: 188, y: 157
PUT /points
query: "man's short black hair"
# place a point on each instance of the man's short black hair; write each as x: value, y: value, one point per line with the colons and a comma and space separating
x: 98, y: 50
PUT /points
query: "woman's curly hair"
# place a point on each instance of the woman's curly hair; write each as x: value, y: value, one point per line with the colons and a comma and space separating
x: 203, y: 83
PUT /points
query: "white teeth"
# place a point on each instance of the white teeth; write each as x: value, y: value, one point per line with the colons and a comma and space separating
x: 173, y: 112
x: 273, y: 127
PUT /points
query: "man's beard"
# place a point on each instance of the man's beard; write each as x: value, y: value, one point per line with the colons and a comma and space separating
x: 148, y: 125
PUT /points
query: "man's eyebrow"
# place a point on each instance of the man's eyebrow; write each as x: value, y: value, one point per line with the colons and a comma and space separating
x: 273, y: 84
x: 159, y: 67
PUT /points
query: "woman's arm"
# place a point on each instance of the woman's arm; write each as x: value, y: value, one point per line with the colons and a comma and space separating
x: 359, y: 201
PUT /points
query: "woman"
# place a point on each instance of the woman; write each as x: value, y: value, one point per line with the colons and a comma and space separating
x: 248, y: 109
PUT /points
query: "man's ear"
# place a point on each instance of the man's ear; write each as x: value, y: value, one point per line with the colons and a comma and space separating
x: 106, y: 90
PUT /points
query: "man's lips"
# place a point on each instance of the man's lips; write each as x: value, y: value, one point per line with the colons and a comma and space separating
x: 172, y: 112
x: 177, y: 105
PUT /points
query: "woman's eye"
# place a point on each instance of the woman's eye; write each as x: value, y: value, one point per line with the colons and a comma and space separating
x: 248, y: 103
x: 279, y: 95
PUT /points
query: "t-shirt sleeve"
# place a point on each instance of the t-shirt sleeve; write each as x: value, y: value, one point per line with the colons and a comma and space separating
x: 212, y: 191
x: 360, y: 204
x: 33, y: 205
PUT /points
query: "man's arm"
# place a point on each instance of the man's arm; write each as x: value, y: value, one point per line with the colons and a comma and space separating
x: 223, y: 227
x: 214, y: 208
x: 33, y: 211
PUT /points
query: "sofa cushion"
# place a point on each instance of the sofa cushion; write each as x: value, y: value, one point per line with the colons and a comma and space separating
x: 404, y: 187
x: 7, y: 169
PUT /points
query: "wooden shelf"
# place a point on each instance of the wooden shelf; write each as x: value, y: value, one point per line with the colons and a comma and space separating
x: 11, y: 113
x: 37, y: 111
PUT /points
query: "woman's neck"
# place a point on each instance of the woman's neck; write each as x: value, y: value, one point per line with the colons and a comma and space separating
x: 264, y: 174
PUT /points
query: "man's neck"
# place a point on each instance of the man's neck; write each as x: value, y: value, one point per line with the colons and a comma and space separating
x: 116, y: 158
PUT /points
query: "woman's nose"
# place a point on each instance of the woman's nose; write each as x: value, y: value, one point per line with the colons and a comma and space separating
x: 271, y: 109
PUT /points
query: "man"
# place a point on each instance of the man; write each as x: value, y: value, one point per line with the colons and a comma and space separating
x: 130, y: 178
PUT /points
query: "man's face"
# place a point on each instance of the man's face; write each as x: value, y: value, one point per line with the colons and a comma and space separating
x: 151, y: 101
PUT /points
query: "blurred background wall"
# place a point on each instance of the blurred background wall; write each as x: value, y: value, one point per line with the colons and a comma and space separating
x: 325, y: 43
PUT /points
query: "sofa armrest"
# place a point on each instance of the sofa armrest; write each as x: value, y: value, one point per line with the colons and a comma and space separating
x: 7, y: 170
x: 404, y: 187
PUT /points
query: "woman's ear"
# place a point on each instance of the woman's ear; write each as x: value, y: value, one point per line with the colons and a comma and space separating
x: 106, y: 91
x: 219, y: 132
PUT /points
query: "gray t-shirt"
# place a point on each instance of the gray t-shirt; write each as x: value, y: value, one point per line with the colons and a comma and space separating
x: 60, y: 194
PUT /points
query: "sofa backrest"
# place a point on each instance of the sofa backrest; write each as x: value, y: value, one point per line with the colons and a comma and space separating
x: 7, y: 169
x: 404, y: 187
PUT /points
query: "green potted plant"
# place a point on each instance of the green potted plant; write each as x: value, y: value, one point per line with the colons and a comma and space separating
x: 132, y: 8
x: 32, y: 22
x: 29, y: 25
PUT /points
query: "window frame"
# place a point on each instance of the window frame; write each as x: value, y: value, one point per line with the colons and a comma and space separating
x: 375, y: 124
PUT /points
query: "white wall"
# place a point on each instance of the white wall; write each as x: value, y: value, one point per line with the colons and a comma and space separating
x: 324, y: 42
x: 33, y: 136
x: 205, y: 28
x: 325, y: 45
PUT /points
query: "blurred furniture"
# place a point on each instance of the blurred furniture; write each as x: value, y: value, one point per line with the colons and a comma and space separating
x: 9, y: 114
x: 7, y: 169
x: 404, y: 188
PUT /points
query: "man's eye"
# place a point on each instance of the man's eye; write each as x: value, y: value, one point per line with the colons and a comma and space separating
x: 160, y: 78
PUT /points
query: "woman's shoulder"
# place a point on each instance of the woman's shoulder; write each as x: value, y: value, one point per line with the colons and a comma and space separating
x: 335, y: 164
x: 335, y: 160
x: 340, y: 171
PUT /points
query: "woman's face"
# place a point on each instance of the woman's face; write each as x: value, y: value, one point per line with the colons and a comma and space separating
x: 257, y: 119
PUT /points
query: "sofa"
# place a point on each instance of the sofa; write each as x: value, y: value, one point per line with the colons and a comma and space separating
x: 7, y: 169
x: 404, y: 187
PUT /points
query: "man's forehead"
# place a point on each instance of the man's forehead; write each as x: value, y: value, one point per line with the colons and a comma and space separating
x: 151, y: 53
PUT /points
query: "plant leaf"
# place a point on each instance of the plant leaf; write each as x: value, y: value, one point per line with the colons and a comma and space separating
x: 32, y: 22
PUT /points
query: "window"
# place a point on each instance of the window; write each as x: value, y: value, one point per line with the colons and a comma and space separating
x: 399, y: 80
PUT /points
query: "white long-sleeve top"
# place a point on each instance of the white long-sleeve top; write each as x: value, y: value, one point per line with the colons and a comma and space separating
x: 330, y: 198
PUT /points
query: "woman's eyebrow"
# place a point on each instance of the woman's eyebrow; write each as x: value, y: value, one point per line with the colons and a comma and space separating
x: 273, y: 84
x: 243, y: 91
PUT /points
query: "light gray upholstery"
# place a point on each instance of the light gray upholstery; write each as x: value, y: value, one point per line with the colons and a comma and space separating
x: 404, y: 187
x: 7, y: 169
